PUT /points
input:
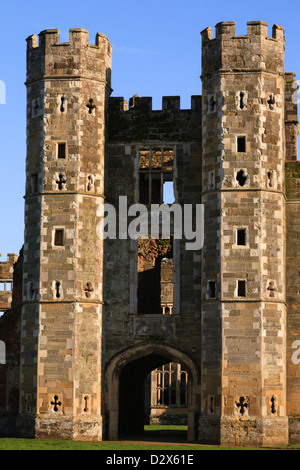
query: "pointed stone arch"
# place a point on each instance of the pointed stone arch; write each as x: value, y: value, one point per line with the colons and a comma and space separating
x: 154, y: 355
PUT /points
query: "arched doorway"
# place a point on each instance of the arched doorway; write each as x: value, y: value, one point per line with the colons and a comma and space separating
x: 126, y: 375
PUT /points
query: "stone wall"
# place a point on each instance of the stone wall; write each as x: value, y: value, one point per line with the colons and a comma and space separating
x: 10, y: 334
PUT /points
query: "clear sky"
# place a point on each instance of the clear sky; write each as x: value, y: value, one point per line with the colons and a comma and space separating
x: 156, y: 52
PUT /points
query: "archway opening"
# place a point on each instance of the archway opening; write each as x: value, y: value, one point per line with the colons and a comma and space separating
x: 153, y: 399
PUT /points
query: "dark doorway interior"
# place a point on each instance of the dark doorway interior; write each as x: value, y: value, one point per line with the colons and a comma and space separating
x: 133, y: 409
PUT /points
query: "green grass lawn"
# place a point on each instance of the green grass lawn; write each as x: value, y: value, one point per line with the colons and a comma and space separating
x: 176, y: 435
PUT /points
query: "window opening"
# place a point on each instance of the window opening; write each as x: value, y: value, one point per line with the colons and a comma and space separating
x: 62, y: 108
x: 272, y: 289
x: 242, y: 405
x: 271, y: 102
x: 34, y: 183
x: 168, y: 192
x: 212, y: 104
x: 31, y: 291
x: 91, y: 106
x: 90, y: 183
x: 61, y: 151
x: 59, y: 237
x: 155, y: 170
x: 55, y: 403
x: 241, y: 177
x: 241, y: 288
x: 170, y: 382
x: 270, y: 179
x: 155, y: 276
x: 211, y: 290
x: 242, y: 103
x: 61, y: 182
x: 241, y: 144
x: 241, y: 237
x: 273, y: 408
x: 211, y: 404
x: 57, y: 289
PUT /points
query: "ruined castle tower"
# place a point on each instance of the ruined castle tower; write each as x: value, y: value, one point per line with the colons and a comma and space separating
x: 67, y: 90
x: 99, y: 317
x: 243, y: 192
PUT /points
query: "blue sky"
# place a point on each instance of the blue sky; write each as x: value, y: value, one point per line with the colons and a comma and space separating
x: 156, y: 52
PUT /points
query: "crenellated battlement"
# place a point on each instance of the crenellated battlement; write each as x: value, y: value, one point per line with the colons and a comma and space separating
x: 47, y: 56
x: 254, y: 51
x: 77, y: 37
x: 254, y: 28
x: 144, y: 104
x: 137, y: 121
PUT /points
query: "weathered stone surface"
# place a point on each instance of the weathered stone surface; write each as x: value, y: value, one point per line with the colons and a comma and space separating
x: 98, y: 317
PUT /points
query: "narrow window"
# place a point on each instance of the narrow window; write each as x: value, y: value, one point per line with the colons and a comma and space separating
x: 86, y: 404
x: 9, y: 286
x: 270, y: 179
x: 212, y: 104
x: 62, y: 102
x: 242, y: 100
x: 57, y: 289
x: 31, y: 291
x: 273, y: 407
x: 241, y: 144
x: 241, y: 288
x: 59, y: 238
x: 61, y: 151
x: 36, y: 107
x: 211, y: 180
x: 34, y: 183
x: 211, y: 290
x: 271, y: 102
x: 2, y: 286
x: 90, y: 183
x: 241, y: 237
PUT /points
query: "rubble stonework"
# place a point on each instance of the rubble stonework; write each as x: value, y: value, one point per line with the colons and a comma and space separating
x: 99, y: 316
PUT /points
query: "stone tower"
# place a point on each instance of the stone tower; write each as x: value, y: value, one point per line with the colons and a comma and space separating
x: 68, y: 85
x: 243, y: 360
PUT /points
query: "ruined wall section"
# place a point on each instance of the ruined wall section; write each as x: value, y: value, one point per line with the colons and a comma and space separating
x: 10, y: 334
x: 6, y: 280
x: 67, y: 89
x: 243, y: 98
x: 130, y: 130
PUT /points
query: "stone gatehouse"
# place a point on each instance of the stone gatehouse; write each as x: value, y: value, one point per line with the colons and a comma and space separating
x: 89, y: 317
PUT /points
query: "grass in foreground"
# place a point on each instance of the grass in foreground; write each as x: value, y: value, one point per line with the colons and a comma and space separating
x: 162, y: 437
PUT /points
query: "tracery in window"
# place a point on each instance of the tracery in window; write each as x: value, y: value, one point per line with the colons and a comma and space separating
x: 170, y: 386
